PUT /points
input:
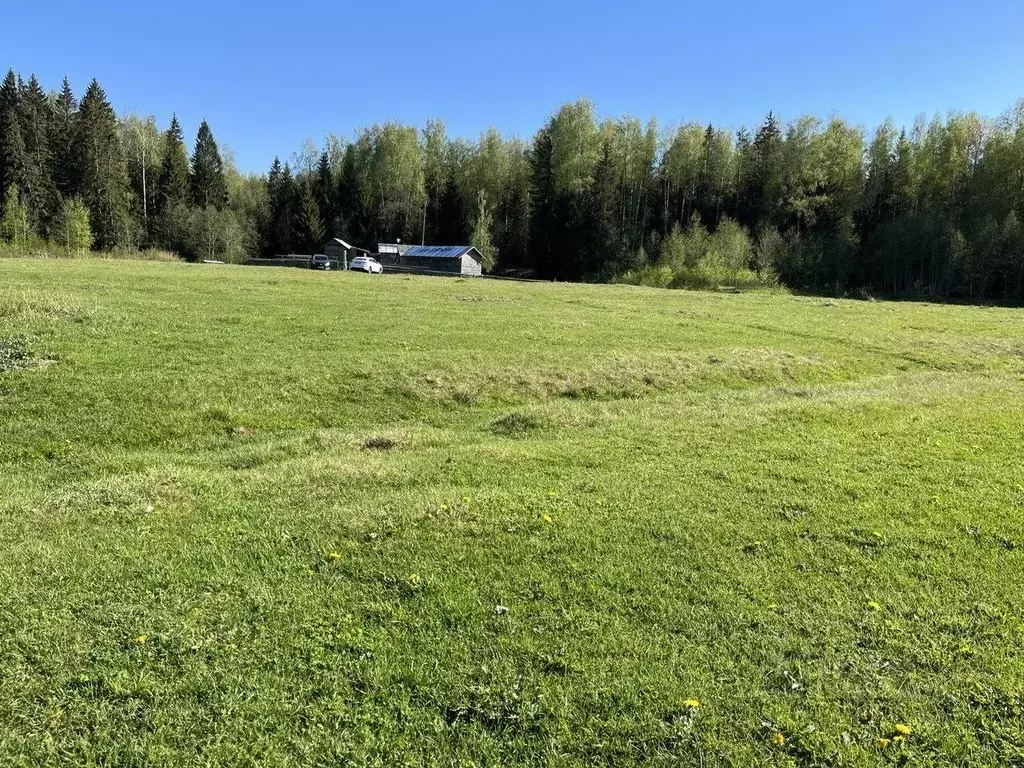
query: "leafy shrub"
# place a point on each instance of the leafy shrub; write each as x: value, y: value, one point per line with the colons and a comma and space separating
x: 202, y: 233
x: 700, y: 260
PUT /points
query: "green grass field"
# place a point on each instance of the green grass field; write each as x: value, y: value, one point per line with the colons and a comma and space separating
x: 268, y: 517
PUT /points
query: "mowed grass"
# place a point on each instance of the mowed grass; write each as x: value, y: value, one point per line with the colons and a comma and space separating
x: 265, y: 517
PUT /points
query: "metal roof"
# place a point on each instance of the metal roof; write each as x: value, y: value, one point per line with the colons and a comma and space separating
x: 439, y: 251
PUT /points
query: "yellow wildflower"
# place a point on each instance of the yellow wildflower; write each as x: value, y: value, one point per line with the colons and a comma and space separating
x: 902, y: 730
x: 546, y: 518
x: 691, y: 703
x: 778, y: 739
x: 882, y: 743
x: 874, y: 605
x: 141, y: 639
x: 334, y: 556
x: 444, y: 507
x: 414, y: 579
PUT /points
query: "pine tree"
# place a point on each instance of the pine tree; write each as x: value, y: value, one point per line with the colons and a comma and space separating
x: 173, y: 184
x: 100, y: 163
x: 64, y: 112
x: 208, y: 184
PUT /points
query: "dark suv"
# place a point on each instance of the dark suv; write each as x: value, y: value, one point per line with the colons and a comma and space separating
x: 319, y: 262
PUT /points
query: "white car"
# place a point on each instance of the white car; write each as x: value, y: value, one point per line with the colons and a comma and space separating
x: 366, y: 264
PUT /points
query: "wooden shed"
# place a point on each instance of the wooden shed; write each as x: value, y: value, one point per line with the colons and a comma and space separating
x: 341, y: 253
x: 449, y: 259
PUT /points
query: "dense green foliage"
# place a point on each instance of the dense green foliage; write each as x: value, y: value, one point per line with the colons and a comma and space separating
x: 138, y: 187
x: 933, y: 210
x: 245, y: 522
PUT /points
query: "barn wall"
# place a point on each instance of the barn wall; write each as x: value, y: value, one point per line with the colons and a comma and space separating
x: 337, y: 254
x: 433, y: 264
x: 471, y: 266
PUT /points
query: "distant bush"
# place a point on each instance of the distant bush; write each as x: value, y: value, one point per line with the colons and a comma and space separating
x: 700, y: 260
x: 43, y: 249
x: 202, y: 233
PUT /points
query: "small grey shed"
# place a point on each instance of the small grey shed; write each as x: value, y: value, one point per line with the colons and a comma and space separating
x: 341, y: 253
x: 451, y: 259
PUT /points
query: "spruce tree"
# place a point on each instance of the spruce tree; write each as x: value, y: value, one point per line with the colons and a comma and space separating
x: 12, y: 144
x: 63, y: 115
x: 281, y: 193
x: 309, y: 227
x: 543, y: 247
x: 348, y: 206
x: 761, y: 176
x: 100, y: 164
x: 604, y: 246
x: 208, y: 184
x: 40, y: 192
x: 173, y: 185
x: 323, y: 188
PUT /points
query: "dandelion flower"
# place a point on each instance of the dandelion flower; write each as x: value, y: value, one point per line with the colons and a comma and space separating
x: 141, y: 639
x: 691, y: 703
x: 874, y: 605
x: 882, y: 742
x: 444, y: 507
x: 414, y: 579
x: 902, y: 730
x: 778, y: 739
x: 334, y: 556
x: 546, y: 518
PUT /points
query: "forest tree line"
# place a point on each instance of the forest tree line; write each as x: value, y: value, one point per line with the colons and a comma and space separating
x: 933, y: 210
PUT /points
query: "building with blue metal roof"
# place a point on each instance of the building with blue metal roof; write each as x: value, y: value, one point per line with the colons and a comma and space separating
x: 447, y: 259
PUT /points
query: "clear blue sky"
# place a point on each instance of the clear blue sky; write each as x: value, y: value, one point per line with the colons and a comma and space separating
x: 269, y: 74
